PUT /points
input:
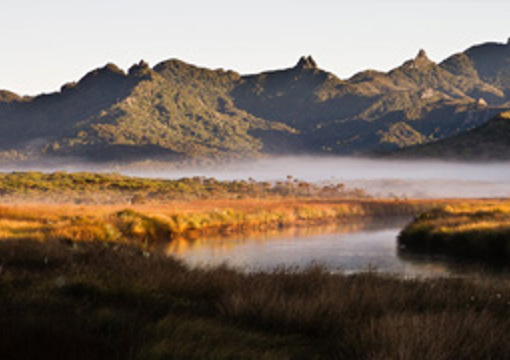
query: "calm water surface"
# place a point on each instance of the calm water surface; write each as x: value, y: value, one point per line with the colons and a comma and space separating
x: 349, y: 248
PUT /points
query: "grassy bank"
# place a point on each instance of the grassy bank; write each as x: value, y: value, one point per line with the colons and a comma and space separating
x: 147, y: 224
x: 116, y: 208
x: 102, y: 188
x: 122, y: 209
x: 107, y: 301
x: 473, y: 230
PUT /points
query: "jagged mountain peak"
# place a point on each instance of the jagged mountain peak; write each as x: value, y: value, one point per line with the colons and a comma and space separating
x: 422, y: 54
x: 141, y: 68
x: 421, y: 60
x: 306, y: 62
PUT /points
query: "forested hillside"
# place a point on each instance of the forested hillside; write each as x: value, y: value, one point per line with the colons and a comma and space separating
x: 177, y: 111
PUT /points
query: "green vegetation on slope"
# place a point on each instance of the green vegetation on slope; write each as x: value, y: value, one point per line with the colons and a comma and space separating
x: 402, y: 135
x: 490, y: 141
x: 176, y: 111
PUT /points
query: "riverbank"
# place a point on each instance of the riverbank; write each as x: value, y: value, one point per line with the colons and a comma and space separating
x: 115, y: 208
x: 479, y: 231
x: 148, y: 224
x: 108, y: 301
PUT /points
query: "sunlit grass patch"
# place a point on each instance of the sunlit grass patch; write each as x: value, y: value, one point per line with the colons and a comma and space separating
x: 150, y: 223
x: 478, y: 230
x: 22, y: 229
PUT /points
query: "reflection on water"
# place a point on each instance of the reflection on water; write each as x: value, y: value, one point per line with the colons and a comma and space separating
x: 348, y: 248
x: 224, y: 243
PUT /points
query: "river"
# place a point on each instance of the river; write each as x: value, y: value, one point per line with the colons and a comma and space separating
x: 359, y: 246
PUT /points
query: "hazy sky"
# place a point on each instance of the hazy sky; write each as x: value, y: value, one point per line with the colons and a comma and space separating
x: 47, y: 43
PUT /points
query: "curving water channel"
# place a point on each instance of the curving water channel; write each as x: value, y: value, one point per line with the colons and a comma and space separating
x: 363, y: 245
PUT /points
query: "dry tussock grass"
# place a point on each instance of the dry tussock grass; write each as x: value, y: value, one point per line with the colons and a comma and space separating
x: 478, y: 230
x: 107, y: 301
x: 154, y: 222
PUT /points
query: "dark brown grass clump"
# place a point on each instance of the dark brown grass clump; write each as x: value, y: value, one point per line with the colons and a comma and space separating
x: 106, y: 301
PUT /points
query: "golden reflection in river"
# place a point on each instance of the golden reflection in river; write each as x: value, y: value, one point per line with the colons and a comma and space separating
x: 225, y: 242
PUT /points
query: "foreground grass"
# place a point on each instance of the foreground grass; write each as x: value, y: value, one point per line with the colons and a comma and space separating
x: 474, y: 230
x: 104, y: 301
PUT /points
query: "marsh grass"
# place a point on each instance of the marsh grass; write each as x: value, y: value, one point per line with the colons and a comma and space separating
x: 480, y: 231
x: 103, y: 188
x: 150, y: 224
x: 62, y: 300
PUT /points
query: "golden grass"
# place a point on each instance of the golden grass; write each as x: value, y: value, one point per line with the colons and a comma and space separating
x: 147, y: 223
x: 478, y: 230
x: 476, y: 226
x: 21, y: 229
x: 470, y: 207
x: 163, y: 221
x: 463, y: 217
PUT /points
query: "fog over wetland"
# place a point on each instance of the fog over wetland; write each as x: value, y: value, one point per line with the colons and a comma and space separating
x: 378, y: 177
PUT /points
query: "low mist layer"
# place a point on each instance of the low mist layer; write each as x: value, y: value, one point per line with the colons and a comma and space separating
x: 378, y: 177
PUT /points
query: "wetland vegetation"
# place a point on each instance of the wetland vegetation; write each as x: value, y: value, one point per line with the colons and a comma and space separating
x: 78, y: 278
x: 107, y: 301
x: 478, y: 231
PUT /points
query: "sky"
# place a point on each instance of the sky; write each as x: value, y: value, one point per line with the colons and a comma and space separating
x: 45, y: 44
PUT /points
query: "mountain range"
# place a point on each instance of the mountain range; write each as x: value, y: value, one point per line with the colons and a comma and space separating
x: 177, y: 111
